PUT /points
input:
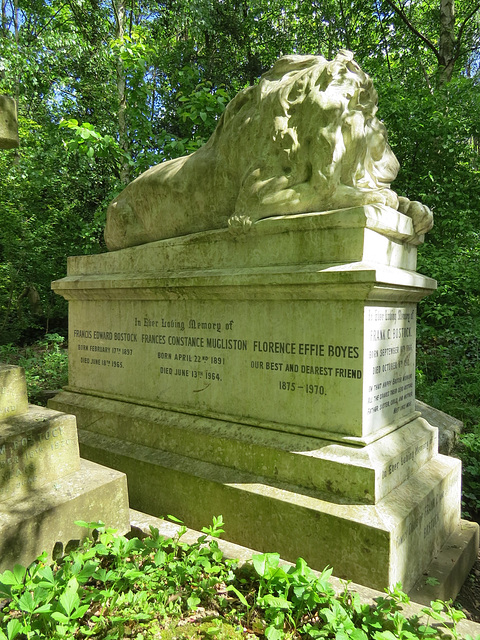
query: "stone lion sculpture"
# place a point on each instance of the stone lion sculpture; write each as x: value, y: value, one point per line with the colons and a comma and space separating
x: 305, y: 139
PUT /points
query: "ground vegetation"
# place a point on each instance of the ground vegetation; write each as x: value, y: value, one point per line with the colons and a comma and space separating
x: 152, y: 588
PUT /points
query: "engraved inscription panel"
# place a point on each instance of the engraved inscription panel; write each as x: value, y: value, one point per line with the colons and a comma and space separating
x: 426, y: 527
x: 13, y: 391
x: 33, y: 458
x: 298, y: 364
x: 9, y: 404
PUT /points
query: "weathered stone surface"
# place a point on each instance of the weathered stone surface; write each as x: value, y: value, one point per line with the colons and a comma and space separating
x: 365, y: 234
x: 235, y: 469
x: 376, y: 545
x: 45, y: 518
x: 450, y: 566
x: 448, y: 427
x: 36, y: 448
x: 352, y: 335
x: 44, y: 486
x: 344, y: 472
x: 304, y: 139
x: 8, y: 123
x: 13, y: 391
x: 304, y: 372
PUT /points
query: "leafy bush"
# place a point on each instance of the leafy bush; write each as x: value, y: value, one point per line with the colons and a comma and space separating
x: 45, y: 364
x: 112, y: 587
x: 469, y: 452
x: 156, y: 587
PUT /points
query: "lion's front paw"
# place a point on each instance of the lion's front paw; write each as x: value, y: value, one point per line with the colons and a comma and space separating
x: 239, y: 224
x: 420, y: 214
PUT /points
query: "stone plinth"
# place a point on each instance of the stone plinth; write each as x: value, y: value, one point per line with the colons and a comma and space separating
x: 278, y: 346
x: 269, y: 377
x: 37, y: 448
x: 45, y: 486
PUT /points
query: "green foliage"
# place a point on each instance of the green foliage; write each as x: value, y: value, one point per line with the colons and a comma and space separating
x: 440, y: 167
x: 303, y: 603
x: 45, y: 364
x: 48, y: 213
x: 181, y: 62
x: 200, y: 111
x: 469, y: 452
x: 114, y: 587
x: 109, y: 587
x: 89, y: 142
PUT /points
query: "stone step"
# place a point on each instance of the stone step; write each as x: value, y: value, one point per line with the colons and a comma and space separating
x: 44, y: 519
x: 445, y: 575
x: 376, y: 545
x: 363, y: 474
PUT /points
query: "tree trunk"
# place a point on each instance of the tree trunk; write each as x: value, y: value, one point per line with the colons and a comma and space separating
x: 4, y: 18
x: 119, y: 9
x: 345, y: 26
x: 447, y: 41
x: 16, y: 155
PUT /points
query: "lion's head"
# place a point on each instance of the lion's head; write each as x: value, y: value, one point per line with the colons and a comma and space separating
x: 307, y: 139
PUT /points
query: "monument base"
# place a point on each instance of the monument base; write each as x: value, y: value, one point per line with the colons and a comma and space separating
x: 378, y: 514
x: 268, y: 376
x: 445, y: 575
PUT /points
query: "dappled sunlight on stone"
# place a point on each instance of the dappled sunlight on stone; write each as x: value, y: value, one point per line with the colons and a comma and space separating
x: 44, y: 484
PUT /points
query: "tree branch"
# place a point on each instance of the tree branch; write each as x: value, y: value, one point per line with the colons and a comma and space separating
x: 463, y: 25
x: 401, y: 13
x: 35, y: 35
x: 117, y: 17
x: 384, y: 35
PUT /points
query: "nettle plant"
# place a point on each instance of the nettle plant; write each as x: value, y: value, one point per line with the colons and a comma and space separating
x: 113, y: 587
